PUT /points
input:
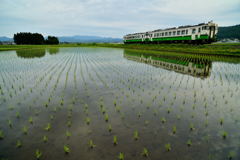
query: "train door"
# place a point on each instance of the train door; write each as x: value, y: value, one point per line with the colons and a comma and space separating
x: 193, y: 33
x: 146, y: 38
x: 212, y: 32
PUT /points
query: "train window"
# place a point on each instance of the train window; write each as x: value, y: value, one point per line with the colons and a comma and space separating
x: 199, y: 30
x: 186, y: 31
x: 205, y: 27
x: 178, y: 32
x: 166, y: 33
x: 170, y: 33
x: 183, y: 31
x: 174, y: 32
x: 193, y: 30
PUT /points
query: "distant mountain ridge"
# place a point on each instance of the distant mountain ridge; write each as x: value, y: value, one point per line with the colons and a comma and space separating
x: 89, y: 39
x: 5, y: 39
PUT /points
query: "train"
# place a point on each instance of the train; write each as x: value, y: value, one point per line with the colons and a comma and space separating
x: 198, y: 34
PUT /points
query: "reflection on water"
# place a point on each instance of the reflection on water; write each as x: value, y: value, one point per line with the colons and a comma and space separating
x: 194, y: 67
x: 53, y: 50
x: 36, y: 53
x: 31, y: 53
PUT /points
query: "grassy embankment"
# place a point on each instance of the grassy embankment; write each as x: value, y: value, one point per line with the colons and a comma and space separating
x: 231, y: 49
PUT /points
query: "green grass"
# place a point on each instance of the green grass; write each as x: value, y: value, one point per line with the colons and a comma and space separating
x: 215, y: 49
x: 232, y: 49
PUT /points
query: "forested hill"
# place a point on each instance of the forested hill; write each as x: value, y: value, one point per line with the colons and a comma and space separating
x: 231, y: 32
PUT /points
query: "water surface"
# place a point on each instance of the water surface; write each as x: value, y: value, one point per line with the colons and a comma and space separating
x: 71, y: 96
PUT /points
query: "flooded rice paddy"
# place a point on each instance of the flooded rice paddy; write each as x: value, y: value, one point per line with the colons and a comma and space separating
x: 101, y: 103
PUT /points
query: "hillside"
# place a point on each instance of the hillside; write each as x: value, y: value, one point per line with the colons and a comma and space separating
x: 230, y: 32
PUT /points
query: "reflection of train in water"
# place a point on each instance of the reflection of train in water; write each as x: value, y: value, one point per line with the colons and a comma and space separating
x: 201, y: 33
x: 181, y: 65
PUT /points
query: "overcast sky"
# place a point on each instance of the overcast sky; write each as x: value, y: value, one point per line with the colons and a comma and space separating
x: 110, y: 18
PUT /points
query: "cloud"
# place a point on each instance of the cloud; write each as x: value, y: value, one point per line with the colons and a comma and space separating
x: 111, y: 17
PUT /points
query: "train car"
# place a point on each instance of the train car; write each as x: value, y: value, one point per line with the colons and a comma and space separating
x: 199, y: 34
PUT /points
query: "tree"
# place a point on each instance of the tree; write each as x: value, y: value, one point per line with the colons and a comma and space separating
x: 28, y: 38
x: 229, y: 32
x: 52, y: 40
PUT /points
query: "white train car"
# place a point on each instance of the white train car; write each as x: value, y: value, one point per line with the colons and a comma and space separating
x: 201, y: 33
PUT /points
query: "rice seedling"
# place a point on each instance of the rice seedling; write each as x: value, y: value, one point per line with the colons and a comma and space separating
x: 11, y: 108
x: 121, y: 156
x: 145, y: 152
x: 48, y: 127
x: 146, y: 122
x: 178, y: 117
x: 221, y: 121
x: 17, y: 115
x: 69, y: 123
x: 68, y: 134
x: 191, y: 127
x: 189, y: 143
x: 168, y: 147
x: 106, y: 117
x: 1, y: 134
x: 10, y: 123
x: 25, y: 130
x: 87, y: 120
x: 135, y: 135
x: 38, y: 154
x: 45, y: 139
x: 163, y: 120
x: 18, y: 144
x: 174, y: 130
x: 224, y: 134
x: 155, y: 112
x: 66, y: 149
x: 61, y: 102
x: 231, y: 155
x: 30, y: 120
x: 109, y: 128
x: 91, y: 144
x: 118, y: 108
x: 169, y: 110
x: 115, y: 142
x: 69, y: 115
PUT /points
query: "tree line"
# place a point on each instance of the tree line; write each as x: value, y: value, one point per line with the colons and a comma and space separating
x: 229, y: 32
x: 33, y: 38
